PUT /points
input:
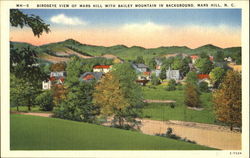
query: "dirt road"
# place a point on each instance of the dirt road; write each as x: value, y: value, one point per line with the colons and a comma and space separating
x: 204, y: 134
x: 214, y: 136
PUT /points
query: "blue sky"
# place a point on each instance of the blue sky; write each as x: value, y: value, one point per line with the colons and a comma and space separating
x: 176, y: 17
x: 148, y: 28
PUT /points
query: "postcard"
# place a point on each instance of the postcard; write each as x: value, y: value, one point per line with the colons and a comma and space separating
x: 125, y: 79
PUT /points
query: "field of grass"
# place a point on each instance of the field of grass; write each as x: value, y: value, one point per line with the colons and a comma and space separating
x: 41, y: 133
x: 160, y: 111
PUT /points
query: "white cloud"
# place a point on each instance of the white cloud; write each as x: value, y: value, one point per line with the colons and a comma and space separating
x: 144, y: 27
x: 65, y: 20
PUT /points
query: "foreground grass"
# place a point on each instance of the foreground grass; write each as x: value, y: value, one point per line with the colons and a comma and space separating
x: 40, y: 133
x: 161, y: 111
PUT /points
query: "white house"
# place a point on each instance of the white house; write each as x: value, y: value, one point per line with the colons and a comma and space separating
x: 46, y: 85
x: 102, y: 68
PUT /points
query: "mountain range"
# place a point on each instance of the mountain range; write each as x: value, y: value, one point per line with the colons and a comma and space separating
x: 61, y: 51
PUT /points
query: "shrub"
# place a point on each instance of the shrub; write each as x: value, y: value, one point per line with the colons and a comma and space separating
x: 169, y: 134
x: 203, y: 86
x: 45, y: 101
x: 179, y: 86
x: 172, y: 105
x: 171, y: 85
x: 192, y: 96
x: 155, y: 80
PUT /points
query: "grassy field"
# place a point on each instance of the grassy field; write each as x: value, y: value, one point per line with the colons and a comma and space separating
x: 41, y: 133
x: 160, y: 111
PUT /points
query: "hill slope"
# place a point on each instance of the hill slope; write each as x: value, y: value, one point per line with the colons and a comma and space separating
x: 70, y: 47
x: 40, y: 133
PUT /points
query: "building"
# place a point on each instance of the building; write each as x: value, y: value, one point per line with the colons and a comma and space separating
x: 194, y: 58
x: 55, y: 78
x: 140, y: 67
x: 173, y: 74
x: 204, y: 78
x: 46, y: 85
x: 158, y: 64
x: 58, y: 74
x: 102, y: 68
x: 90, y: 76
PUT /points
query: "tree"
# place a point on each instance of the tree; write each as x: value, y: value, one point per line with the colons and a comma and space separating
x: 227, y: 100
x: 204, y: 55
x: 203, y: 87
x: 27, y: 72
x: 21, y: 92
x: 171, y: 85
x: 45, y: 100
x: 74, y: 69
x: 139, y: 60
x: 61, y: 66
x: 204, y: 65
x: 154, y: 80
x: 118, y: 94
x: 59, y: 94
x: 192, y: 96
x: 78, y: 104
x: 110, y: 97
x: 163, y: 73
x: 177, y: 64
x: 152, y: 63
x: 219, y: 56
x: 216, y: 76
x: 19, y: 19
x: 237, y: 57
x: 185, y: 66
x: 192, y: 78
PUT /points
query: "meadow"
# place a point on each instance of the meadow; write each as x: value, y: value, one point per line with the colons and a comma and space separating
x: 163, y: 111
x: 41, y: 133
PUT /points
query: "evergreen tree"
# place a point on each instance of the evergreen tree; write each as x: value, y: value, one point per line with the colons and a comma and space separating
x: 171, y: 85
x: 163, y: 73
x: 227, y: 100
x: 154, y: 80
x: 139, y: 60
x: 192, y: 94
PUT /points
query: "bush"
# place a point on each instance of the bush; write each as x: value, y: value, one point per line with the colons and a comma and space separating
x: 155, y: 80
x: 171, y: 85
x: 179, y: 86
x: 45, y: 101
x: 203, y: 86
x: 169, y: 134
x: 172, y: 105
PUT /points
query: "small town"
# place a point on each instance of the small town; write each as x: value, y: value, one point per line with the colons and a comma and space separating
x: 68, y: 95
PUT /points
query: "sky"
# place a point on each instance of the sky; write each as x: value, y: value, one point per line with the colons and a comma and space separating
x: 149, y: 28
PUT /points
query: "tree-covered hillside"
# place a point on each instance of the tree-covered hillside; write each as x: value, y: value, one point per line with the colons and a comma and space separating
x: 70, y: 47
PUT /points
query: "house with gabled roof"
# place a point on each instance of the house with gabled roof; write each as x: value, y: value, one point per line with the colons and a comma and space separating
x: 102, y: 68
x: 90, y: 76
x: 140, y: 67
x: 56, y: 77
x: 173, y: 74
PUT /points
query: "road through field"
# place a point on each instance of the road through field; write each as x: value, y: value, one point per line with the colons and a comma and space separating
x: 214, y: 136
x: 204, y: 134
